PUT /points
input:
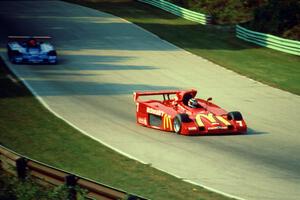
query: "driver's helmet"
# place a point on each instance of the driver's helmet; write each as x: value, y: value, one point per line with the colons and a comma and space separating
x: 32, y: 43
x: 193, y: 103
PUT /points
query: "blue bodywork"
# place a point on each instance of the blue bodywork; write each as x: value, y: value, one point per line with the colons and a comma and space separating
x: 23, y: 52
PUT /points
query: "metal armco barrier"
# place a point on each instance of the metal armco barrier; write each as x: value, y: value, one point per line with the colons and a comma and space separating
x: 269, y: 41
x: 22, y: 167
x: 8, y: 161
x: 179, y: 11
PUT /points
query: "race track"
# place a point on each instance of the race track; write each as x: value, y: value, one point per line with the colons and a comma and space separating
x: 103, y: 59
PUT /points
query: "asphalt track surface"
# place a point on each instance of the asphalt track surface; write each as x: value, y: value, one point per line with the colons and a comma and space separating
x: 103, y: 59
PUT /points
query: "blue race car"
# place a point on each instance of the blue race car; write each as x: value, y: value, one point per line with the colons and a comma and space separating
x: 31, y: 49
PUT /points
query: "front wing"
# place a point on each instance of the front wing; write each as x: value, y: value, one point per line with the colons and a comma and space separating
x: 40, y: 58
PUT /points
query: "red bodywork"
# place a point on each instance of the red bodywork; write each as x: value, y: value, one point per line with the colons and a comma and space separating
x: 207, y: 119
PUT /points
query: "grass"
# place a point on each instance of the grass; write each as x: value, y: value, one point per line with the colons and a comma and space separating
x: 28, y: 128
x: 215, y: 43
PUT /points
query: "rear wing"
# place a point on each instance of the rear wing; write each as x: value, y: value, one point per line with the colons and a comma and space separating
x: 18, y: 37
x: 165, y: 93
x: 181, y: 95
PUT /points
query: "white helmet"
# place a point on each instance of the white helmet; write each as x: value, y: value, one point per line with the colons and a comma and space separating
x: 193, y: 103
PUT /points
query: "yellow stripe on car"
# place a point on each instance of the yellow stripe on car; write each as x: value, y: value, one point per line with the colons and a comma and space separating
x: 223, y: 120
x: 167, y: 122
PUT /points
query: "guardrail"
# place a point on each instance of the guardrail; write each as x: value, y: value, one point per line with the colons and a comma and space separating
x: 269, y: 41
x: 22, y: 167
x: 179, y: 11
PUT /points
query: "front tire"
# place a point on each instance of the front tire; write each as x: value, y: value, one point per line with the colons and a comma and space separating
x: 178, y: 120
x: 235, y: 115
x: 12, y: 54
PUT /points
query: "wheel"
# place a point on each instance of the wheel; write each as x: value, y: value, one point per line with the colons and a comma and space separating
x: 11, y: 55
x: 11, y: 59
x: 177, y: 125
x: 178, y: 120
x: 235, y: 115
x: 52, y: 53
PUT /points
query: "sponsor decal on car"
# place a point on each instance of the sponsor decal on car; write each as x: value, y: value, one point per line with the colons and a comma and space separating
x: 142, y: 120
x: 223, y: 120
x: 154, y: 112
x: 167, y: 122
x: 192, y: 128
x: 216, y: 128
x: 211, y: 118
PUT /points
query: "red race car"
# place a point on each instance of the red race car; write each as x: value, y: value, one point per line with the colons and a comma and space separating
x: 180, y: 112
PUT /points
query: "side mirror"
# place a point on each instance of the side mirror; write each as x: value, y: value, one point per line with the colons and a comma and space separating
x: 209, y: 99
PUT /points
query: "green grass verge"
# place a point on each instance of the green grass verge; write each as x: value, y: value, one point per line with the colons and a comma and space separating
x: 28, y: 128
x: 215, y: 43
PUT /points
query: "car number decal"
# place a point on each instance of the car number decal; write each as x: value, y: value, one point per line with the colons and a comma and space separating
x: 240, y: 123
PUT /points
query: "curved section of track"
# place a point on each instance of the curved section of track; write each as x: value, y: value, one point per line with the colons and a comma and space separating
x: 103, y: 59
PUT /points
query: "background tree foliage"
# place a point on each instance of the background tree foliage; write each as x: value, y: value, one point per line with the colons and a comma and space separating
x: 224, y: 11
x: 278, y: 17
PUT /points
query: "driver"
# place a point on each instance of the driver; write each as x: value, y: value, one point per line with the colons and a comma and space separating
x: 193, y: 103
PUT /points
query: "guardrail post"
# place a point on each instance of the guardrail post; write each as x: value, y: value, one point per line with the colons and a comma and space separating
x: 71, y: 181
x: 21, y: 165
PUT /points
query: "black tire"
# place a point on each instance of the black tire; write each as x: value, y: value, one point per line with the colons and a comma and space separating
x: 11, y: 58
x: 11, y: 55
x: 52, y: 53
x: 235, y: 115
x: 178, y: 120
